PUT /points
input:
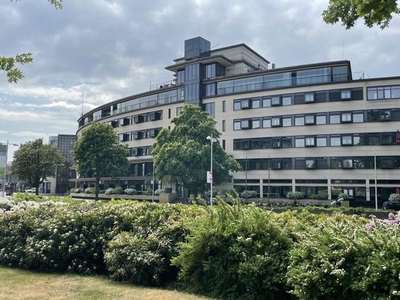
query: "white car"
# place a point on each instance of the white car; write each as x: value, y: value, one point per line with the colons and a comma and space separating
x: 33, y: 190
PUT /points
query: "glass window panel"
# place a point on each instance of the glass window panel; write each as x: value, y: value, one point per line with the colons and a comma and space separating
x: 310, y: 141
x: 236, y: 125
x: 299, y: 121
x: 347, y: 140
x: 287, y: 121
x: 299, y: 143
x: 276, y: 121
x: 266, y: 102
x: 255, y: 123
x: 373, y: 140
x: 287, y: 142
x: 395, y: 92
x: 255, y: 103
x: 309, y: 97
x: 357, y: 140
x: 266, y: 123
x: 321, y: 119
x: 287, y: 100
x: 335, y: 141
x: 310, y: 163
x: 372, y: 93
x: 310, y: 119
x: 334, y: 119
x: 347, y: 163
x: 346, y: 117
x: 276, y: 101
x: 358, y: 117
x: 321, y: 141
x: 237, y: 105
x: 345, y: 94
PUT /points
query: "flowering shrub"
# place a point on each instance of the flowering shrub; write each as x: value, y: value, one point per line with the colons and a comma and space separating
x: 339, y: 259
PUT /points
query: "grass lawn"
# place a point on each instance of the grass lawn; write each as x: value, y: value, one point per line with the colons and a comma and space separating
x: 19, y: 284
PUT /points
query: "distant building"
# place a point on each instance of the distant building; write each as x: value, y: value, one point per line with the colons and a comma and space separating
x: 64, y: 173
x: 310, y: 128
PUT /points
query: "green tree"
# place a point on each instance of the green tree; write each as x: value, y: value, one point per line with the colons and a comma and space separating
x: 374, y: 12
x: 9, y: 64
x: 98, y: 153
x: 182, y: 154
x: 35, y: 161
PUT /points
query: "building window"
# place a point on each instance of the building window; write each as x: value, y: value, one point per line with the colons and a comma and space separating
x: 310, y: 119
x: 387, y: 139
x: 346, y: 94
x: 276, y: 122
x: 321, y: 119
x: 347, y: 163
x: 266, y: 123
x: 358, y: 117
x: 237, y: 105
x: 266, y: 102
x: 310, y: 164
x: 223, y: 125
x: 210, y: 108
x: 255, y: 123
x: 299, y: 121
x: 385, y: 115
x: 255, y: 103
x: 276, y: 101
x: 321, y: 141
x: 245, y: 124
x: 286, y: 100
x: 347, y: 140
x: 210, y: 90
x: 334, y: 119
x: 310, y: 141
x: 346, y: 117
x: 237, y: 125
x: 223, y: 106
x: 276, y: 143
x: 287, y: 121
x: 309, y: 98
x: 245, y: 104
x: 299, y: 142
x: 335, y: 141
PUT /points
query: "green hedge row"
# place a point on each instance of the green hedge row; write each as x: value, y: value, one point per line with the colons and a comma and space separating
x: 226, y: 252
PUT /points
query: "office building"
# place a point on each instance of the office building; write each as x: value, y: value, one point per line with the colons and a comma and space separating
x: 311, y: 128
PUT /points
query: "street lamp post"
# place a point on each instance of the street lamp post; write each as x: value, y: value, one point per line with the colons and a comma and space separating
x: 376, y: 183
x: 210, y: 177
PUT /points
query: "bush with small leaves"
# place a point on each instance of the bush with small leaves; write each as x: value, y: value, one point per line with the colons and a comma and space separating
x: 248, y: 194
x: 295, y: 195
x: 394, y: 197
x: 130, y: 191
x: 235, y: 252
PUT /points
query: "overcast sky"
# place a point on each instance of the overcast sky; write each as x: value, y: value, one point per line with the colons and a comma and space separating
x: 106, y: 50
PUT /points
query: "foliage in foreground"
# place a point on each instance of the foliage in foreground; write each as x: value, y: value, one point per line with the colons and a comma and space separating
x: 235, y: 252
x: 228, y: 252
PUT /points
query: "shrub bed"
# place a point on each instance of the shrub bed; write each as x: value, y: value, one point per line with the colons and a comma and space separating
x: 225, y: 251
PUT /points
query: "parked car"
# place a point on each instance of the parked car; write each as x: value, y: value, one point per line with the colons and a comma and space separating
x: 33, y: 190
x: 391, y: 205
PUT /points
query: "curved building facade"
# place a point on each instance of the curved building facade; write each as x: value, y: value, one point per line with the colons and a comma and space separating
x: 309, y: 128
